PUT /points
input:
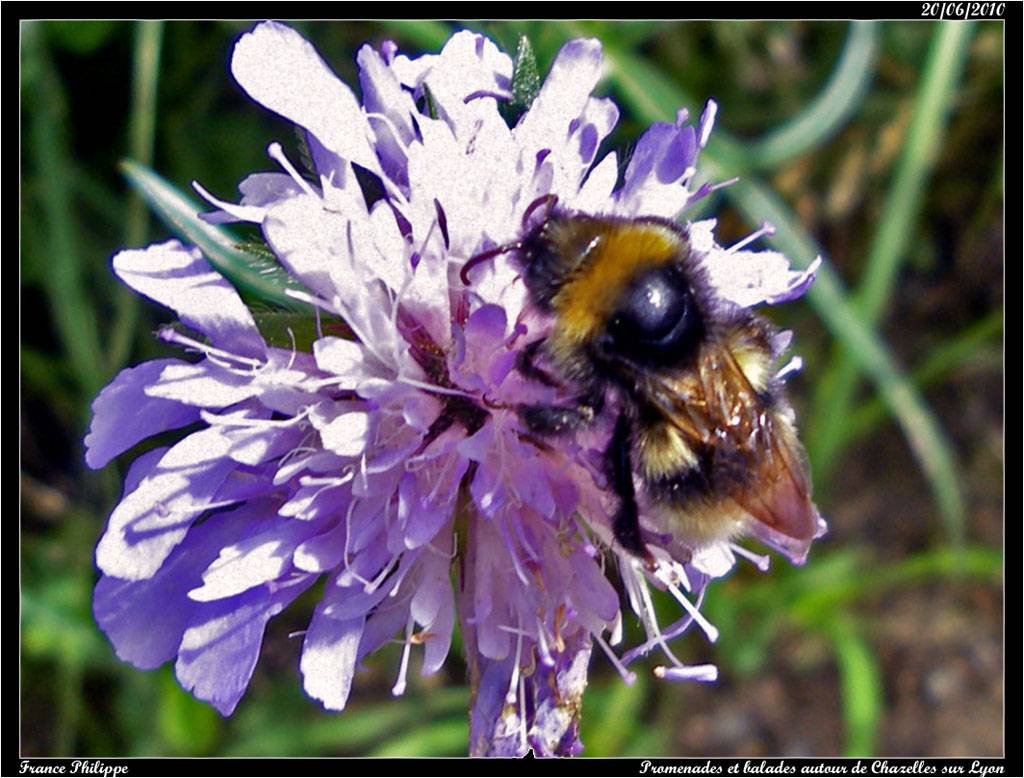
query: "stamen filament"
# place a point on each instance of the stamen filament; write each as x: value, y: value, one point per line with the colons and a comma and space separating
x: 761, y: 561
x: 276, y: 153
x: 628, y: 676
x: 766, y: 229
x: 399, y: 688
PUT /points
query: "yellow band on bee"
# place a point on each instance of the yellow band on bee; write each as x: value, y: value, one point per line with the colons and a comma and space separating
x: 618, y: 253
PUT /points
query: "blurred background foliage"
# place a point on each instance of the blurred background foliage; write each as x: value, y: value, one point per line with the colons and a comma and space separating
x: 879, y: 146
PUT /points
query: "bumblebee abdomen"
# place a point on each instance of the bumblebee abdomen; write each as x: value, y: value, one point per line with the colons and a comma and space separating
x: 687, y: 475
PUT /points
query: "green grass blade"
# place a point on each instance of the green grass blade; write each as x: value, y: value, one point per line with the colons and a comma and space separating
x: 428, y: 35
x: 142, y: 137
x: 860, y: 683
x: 816, y: 598
x: 902, y: 208
x: 979, y: 341
x: 47, y: 144
x: 260, y: 277
x: 830, y: 110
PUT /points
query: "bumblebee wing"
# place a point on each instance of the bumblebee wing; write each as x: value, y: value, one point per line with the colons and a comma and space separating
x: 723, y: 405
x: 780, y: 496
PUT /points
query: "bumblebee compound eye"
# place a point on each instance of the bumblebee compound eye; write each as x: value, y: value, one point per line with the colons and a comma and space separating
x: 657, y: 320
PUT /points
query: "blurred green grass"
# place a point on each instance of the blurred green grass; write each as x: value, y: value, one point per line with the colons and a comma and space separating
x: 844, y: 137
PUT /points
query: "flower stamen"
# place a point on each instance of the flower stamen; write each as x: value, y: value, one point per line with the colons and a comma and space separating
x: 765, y: 230
x: 276, y: 153
x: 399, y: 688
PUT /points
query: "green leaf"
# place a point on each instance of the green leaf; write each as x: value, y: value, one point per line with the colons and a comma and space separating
x: 428, y: 102
x: 525, y: 78
x: 287, y: 329
x: 256, y: 277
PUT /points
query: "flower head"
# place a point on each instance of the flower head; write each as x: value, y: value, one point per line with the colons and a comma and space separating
x: 388, y: 459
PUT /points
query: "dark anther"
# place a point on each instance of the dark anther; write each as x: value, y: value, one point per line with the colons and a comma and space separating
x: 442, y: 222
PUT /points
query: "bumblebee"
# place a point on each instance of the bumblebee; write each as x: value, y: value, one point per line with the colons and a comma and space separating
x: 703, y: 433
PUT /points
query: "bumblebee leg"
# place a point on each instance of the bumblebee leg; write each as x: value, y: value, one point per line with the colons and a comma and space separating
x: 527, y: 368
x: 626, y: 523
x: 554, y: 419
x: 561, y: 419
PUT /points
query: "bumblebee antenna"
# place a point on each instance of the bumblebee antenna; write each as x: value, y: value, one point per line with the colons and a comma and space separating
x: 550, y: 200
x: 485, y: 256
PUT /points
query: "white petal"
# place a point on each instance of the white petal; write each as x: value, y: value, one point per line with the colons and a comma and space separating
x: 202, y: 384
x: 181, y: 279
x: 281, y: 69
x: 241, y: 213
x: 147, y: 524
x: 595, y: 194
x: 563, y: 97
x: 329, y: 653
x: 250, y: 562
x: 339, y: 356
x: 313, y: 243
x: 347, y: 435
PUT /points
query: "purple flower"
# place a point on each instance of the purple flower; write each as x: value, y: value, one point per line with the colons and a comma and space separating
x: 383, y: 463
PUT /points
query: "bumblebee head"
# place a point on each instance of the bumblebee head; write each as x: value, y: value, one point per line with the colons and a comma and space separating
x: 617, y: 288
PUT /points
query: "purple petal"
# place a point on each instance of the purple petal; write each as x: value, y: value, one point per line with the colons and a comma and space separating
x: 219, y: 651
x: 321, y: 552
x: 383, y: 94
x: 600, y: 596
x: 261, y: 554
x: 181, y: 279
x: 123, y: 415
x: 680, y: 154
x: 329, y: 654
x: 147, y: 524
x: 146, y: 619
x: 437, y: 645
x: 661, y: 156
